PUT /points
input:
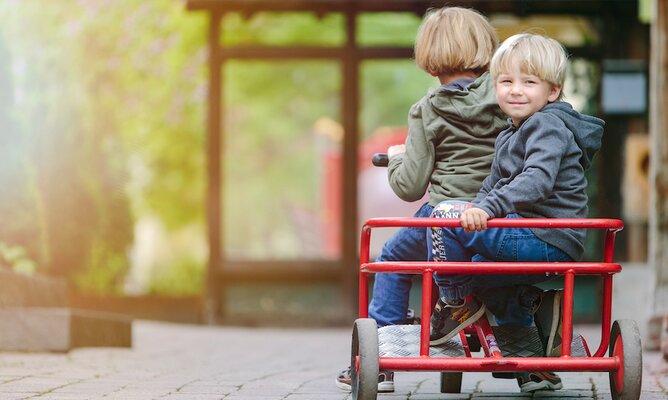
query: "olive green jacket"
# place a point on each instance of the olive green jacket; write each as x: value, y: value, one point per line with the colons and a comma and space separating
x: 450, y: 143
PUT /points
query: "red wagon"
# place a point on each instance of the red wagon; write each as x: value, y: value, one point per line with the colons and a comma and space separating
x: 406, y: 347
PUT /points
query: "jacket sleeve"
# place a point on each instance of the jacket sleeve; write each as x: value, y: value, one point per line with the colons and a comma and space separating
x: 494, y: 174
x: 487, y: 183
x: 409, y: 173
x: 545, y: 145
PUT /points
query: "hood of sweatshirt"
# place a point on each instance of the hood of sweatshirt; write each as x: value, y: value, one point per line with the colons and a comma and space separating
x: 475, y: 105
x: 586, y: 129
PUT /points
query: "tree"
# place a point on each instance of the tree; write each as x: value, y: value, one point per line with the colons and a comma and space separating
x: 99, y: 87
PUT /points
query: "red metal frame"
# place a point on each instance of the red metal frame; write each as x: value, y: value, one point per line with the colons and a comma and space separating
x: 494, y: 361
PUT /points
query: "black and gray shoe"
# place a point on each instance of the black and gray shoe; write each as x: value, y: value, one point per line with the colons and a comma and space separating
x: 448, y: 320
x: 548, y: 321
x: 532, y: 381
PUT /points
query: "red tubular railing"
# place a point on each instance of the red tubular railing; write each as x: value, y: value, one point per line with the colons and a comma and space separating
x: 425, y: 314
x: 501, y: 364
x: 498, y: 267
x: 496, y: 362
x: 567, y: 314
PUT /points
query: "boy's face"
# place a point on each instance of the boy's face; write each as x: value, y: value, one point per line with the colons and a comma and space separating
x: 520, y: 94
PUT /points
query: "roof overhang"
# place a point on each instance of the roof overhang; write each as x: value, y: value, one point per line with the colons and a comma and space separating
x: 519, y: 7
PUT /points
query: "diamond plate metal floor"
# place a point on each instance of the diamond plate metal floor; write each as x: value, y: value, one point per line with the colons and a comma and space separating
x: 525, y: 342
x: 404, y: 341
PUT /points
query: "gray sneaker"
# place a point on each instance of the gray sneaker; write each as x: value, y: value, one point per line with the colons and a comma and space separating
x: 548, y: 322
x: 448, y: 319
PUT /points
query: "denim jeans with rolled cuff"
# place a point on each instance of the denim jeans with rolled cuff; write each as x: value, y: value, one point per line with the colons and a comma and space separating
x: 389, y: 301
x: 511, y: 298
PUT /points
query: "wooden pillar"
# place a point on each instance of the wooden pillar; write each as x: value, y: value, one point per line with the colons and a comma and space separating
x: 350, y: 117
x: 658, y: 225
x: 214, y: 293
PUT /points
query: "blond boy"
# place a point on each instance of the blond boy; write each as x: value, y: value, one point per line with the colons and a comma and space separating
x: 538, y: 171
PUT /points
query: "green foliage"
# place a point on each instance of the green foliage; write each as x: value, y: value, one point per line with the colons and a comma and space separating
x: 16, y: 258
x: 104, y: 271
x: 103, y: 109
x: 107, y: 92
x: 389, y: 88
x: 183, y: 277
x: 383, y: 29
x: 270, y: 156
x: 283, y: 29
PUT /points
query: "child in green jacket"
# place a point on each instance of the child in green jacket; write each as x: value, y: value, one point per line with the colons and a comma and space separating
x: 448, y: 151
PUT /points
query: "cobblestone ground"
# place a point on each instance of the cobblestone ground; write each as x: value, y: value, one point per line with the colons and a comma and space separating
x: 170, y: 361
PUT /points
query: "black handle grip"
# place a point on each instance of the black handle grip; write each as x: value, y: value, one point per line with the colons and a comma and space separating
x: 380, y: 160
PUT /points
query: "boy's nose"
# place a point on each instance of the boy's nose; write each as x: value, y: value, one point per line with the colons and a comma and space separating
x: 515, y: 91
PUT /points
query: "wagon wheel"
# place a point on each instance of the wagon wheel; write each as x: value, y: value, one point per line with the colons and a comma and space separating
x: 364, y: 372
x: 451, y: 382
x: 625, y: 343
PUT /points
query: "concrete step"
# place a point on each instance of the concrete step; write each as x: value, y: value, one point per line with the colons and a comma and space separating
x: 61, y: 329
x: 18, y: 290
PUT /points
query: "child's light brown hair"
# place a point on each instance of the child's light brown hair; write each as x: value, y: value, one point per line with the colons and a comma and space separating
x: 454, y: 39
x: 532, y: 54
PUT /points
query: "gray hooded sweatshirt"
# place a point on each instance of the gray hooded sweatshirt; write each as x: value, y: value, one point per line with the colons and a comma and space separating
x: 539, y: 172
x: 450, y: 143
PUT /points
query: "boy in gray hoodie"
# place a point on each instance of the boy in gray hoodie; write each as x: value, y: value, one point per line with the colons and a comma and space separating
x: 538, y: 172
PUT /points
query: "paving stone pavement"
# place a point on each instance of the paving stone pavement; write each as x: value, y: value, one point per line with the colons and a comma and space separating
x: 172, y: 361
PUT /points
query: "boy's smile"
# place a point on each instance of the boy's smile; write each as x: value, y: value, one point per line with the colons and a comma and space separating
x: 520, y: 94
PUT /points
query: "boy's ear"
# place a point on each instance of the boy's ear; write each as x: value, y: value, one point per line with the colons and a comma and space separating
x: 555, y: 91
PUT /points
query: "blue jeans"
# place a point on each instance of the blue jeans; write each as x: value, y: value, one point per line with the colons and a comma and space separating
x: 389, y: 302
x: 511, y: 298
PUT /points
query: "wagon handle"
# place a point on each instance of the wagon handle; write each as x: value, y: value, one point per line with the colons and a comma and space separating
x: 380, y: 160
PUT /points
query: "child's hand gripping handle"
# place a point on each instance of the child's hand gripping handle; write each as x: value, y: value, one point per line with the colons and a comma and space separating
x: 380, y: 160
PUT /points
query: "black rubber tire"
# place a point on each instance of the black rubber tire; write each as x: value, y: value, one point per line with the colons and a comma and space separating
x: 365, y: 344
x: 625, y: 384
x: 451, y: 382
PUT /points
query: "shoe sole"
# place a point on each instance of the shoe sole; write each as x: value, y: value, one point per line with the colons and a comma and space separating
x: 383, y: 387
x: 550, y: 349
x: 386, y: 387
x: 461, y: 327
x: 343, y: 386
x: 542, y: 385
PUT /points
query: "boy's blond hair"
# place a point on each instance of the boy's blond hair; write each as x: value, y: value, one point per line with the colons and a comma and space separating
x: 453, y: 39
x: 533, y: 54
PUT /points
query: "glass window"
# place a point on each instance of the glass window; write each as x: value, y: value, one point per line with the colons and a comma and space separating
x: 388, y: 89
x: 287, y: 302
x: 281, y: 164
x: 283, y: 29
x: 387, y: 29
x: 582, y: 85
